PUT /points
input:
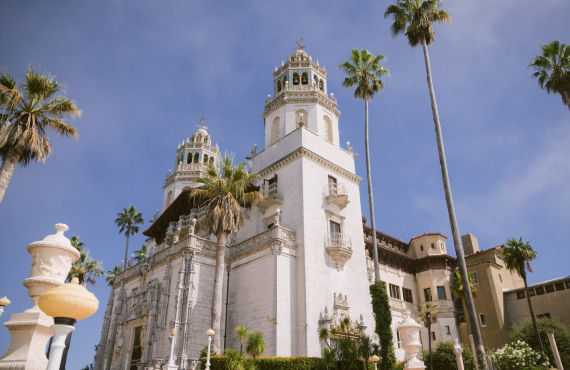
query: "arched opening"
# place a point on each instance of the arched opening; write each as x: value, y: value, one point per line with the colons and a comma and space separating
x: 483, y: 320
x: 321, y: 85
x: 275, y: 130
x: 189, y: 158
x: 278, y: 86
x: 295, y: 78
x: 301, y: 118
x: 169, y: 198
x: 205, y: 141
x: 205, y: 158
x: 305, y: 78
x: 285, y: 78
x: 328, y: 128
x: 196, y: 158
x: 211, y: 160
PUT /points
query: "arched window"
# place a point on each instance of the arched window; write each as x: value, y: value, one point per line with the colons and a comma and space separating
x: 196, y: 158
x: 211, y: 160
x: 205, y: 140
x: 301, y: 118
x: 169, y: 198
x: 305, y: 78
x: 275, y: 130
x: 328, y: 128
x: 285, y: 78
x: 483, y: 320
x: 316, y: 80
x: 205, y: 158
x: 278, y: 86
x: 321, y: 85
x: 295, y: 78
x: 189, y: 158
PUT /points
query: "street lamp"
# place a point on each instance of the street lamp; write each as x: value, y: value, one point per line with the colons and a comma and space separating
x: 4, y: 301
x: 375, y: 360
x: 210, y: 333
x: 66, y: 303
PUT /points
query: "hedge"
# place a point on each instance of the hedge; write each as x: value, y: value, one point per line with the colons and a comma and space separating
x: 278, y: 363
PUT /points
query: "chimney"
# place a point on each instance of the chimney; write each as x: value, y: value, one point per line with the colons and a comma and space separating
x: 470, y: 244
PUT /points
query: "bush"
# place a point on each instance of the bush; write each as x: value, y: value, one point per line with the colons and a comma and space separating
x: 255, y: 344
x: 383, y: 318
x: 525, y: 333
x: 518, y: 356
x: 444, y: 358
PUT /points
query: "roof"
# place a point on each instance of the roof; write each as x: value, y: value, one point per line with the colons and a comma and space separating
x: 179, y: 207
x: 485, y: 250
x: 538, y: 284
x: 428, y: 234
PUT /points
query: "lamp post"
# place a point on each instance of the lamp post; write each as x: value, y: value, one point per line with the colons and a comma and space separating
x: 210, y: 333
x: 4, y: 301
x: 66, y: 303
x: 375, y: 360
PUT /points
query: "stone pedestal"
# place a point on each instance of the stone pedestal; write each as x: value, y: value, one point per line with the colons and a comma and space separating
x: 31, y: 329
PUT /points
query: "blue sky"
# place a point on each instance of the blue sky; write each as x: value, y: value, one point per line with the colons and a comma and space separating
x: 144, y: 72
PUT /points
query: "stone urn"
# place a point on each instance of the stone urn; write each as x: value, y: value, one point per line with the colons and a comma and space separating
x: 409, y: 331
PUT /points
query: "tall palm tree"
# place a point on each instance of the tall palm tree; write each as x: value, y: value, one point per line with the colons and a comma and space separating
x: 415, y: 19
x: 516, y: 254
x: 127, y: 222
x: 26, y: 114
x: 223, y: 193
x: 428, y: 315
x: 85, y: 268
x: 553, y: 69
x: 365, y: 71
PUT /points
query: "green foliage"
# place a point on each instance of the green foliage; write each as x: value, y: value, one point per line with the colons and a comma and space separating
x: 241, y: 332
x: 112, y: 275
x: 444, y: 358
x: 128, y: 222
x: 255, y: 344
x: 525, y: 332
x: 383, y: 318
x: 553, y: 69
x: 234, y: 360
x: 329, y: 356
x: 140, y: 254
x: 282, y: 363
x: 85, y: 269
x: 516, y: 254
x: 518, y: 356
x: 364, y: 70
x: 204, y: 356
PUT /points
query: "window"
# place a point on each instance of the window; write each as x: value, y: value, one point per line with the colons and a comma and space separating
x: 136, y: 349
x: 543, y: 316
x: 189, y: 158
x: 559, y: 285
x: 196, y: 158
x: 169, y: 197
x: 432, y: 246
x: 304, y: 78
x: 211, y: 160
x: 321, y: 85
x: 333, y: 188
x: 295, y: 78
x: 427, y: 294
x: 206, y: 158
x: 474, y: 277
x: 441, y: 293
x: 447, y: 330
x: 328, y: 129
x: 394, y: 291
x: 549, y: 288
x: 520, y: 295
x: 278, y: 86
x: 275, y: 131
x: 335, y: 235
x: 531, y: 292
x: 539, y: 290
x: 421, y: 247
x: 483, y: 320
x: 407, y: 293
x: 433, y: 335
x: 567, y: 284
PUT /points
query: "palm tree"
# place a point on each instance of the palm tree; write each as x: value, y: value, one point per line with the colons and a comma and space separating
x: 428, y: 314
x: 415, y: 19
x: 329, y: 358
x: 365, y: 70
x: 85, y: 268
x: 457, y: 286
x: 324, y: 335
x: 141, y: 254
x: 234, y: 360
x: 516, y: 254
x: 241, y: 332
x: 26, y: 114
x: 223, y: 194
x: 553, y: 69
x: 255, y: 344
x: 127, y: 221
x: 365, y: 348
x: 112, y: 275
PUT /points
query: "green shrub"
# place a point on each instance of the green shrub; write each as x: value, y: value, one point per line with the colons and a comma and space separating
x: 525, y: 332
x: 383, y: 318
x: 255, y: 344
x: 444, y: 358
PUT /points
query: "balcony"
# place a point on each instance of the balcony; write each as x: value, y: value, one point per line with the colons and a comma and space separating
x: 339, y: 249
x: 271, y: 196
x: 336, y: 194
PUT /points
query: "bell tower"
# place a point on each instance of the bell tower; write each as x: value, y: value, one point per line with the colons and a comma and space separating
x: 192, y: 157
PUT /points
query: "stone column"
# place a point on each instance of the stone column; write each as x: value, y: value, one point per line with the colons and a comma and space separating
x: 30, y: 330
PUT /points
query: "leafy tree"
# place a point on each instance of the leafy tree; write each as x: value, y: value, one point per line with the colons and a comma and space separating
x: 141, y: 254
x: 553, y: 69
x: 255, y: 344
x: 329, y: 357
x: 365, y: 71
x: 524, y: 331
x: 112, y: 275
x: 26, y: 115
x: 241, y: 332
x: 85, y: 268
x: 128, y: 222
x: 223, y: 193
x: 457, y: 291
x: 444, y: 358
x: 414, y: 19
x: 428, y: 315
x: 383, y: 319
x: 516, y: 254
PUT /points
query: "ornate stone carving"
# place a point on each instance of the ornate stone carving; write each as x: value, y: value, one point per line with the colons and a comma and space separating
x: 339, y: 249
x: 277, y: 238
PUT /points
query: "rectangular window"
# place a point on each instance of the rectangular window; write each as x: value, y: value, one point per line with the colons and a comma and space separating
x: 520, y: 295
x: 394, y: 291
x: 559, y: 286
x: 531, y: 292
x: 432, y: 246
x: 335, y: 232
x: 567, y: 284
x: 427, y: 294
x: 447, y: 330
x: 539, y: 290
x: 549, y: 288
x: 407, y: 293
x: 441, y: 293
x: 474, y: 277
x: 433, y: 335
x: 543, y: 316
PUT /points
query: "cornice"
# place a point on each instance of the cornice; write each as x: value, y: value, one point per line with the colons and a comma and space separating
x: 301, y: 97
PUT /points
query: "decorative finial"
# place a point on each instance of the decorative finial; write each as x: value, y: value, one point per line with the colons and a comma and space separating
x: 202, y: 125
x: 299, y: 45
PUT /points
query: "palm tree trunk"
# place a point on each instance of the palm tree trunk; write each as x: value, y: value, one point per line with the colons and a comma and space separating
x: 470, y: 305
x: 9, y: 163
x: 370, y: 197
x: 429, y: 346
x: 531, y: 310
x: 218, y: 287
x: 126, y: 253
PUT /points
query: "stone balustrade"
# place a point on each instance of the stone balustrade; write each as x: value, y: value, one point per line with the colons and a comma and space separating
x: 277, y: 238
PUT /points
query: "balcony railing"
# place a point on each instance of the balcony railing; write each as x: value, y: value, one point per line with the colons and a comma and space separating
x: 339, y: 249
x: 339, y: 240
x: 336, y: 194
x: 271, y: 195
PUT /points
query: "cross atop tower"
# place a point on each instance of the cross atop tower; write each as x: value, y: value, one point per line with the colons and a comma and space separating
x: 299, y: 45
x: 202, y: 125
